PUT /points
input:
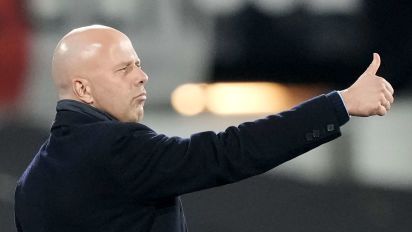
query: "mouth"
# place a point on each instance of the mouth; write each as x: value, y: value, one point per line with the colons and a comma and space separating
x: 141, y: 97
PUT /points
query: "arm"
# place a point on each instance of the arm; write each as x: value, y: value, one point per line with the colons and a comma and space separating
x: 153, y: 166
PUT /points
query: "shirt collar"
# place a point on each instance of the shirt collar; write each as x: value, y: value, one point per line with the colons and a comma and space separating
x: 76, y: 106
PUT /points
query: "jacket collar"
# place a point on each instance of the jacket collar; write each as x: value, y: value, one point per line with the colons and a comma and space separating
x: 71, y: 112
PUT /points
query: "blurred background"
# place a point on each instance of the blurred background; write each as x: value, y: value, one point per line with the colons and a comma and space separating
x: 275, y: 52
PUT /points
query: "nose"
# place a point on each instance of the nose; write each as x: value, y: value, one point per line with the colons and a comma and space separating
x: 141, y: 77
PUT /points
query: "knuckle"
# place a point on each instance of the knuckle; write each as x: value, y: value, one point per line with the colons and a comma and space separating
x: 383, y: 110
x: 382, y: 86
x: 377, y: 108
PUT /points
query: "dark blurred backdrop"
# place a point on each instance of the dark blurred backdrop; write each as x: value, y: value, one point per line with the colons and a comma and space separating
x: 360, y: 183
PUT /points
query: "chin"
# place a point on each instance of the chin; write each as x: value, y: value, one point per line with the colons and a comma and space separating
x: 138, y: 117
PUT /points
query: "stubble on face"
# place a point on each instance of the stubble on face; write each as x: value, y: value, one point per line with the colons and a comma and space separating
x: 94, y: 53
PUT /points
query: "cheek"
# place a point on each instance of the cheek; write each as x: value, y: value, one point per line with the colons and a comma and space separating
x: 105, y: 96
x: 114, y: 95
x: 104, y: 93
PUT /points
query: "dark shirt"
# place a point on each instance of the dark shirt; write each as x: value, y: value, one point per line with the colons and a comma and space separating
x: 95, y: 173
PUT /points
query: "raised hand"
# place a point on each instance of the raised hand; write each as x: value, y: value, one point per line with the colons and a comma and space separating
x: 370, y: 94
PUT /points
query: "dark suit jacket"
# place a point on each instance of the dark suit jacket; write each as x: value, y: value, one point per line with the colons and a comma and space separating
x: 97, y: 174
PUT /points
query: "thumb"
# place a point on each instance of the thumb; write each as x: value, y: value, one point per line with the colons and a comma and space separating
x: 374, y: 66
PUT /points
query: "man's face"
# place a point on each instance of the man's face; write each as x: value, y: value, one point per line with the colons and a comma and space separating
x: 118, y: 84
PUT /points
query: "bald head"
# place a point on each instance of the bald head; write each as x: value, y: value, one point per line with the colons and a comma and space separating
x: 78, y: 55
x: 97, y: 65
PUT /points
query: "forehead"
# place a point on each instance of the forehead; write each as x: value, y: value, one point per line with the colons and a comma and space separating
x: 122, y: 50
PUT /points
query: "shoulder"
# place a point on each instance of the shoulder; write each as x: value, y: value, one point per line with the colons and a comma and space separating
x: 109, y: 135
x: 109, y: 128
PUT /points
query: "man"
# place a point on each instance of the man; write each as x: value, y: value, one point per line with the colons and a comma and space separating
x: 101, y: 170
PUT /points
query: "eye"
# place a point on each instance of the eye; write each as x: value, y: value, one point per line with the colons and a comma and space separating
x: 123, y: 69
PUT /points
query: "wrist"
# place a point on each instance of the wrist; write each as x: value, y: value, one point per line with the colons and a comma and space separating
x: 336, y: 101
x: 346, y: 100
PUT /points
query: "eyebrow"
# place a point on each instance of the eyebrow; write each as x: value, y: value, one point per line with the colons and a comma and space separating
x: 126, y: 63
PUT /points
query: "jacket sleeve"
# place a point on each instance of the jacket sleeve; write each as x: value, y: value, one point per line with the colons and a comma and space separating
x: 152, y: 166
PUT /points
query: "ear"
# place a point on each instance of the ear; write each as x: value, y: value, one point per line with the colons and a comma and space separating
x: 82, y: 90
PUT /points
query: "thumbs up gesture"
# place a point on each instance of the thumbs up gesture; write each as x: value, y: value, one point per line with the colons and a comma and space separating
x: 370, y: 94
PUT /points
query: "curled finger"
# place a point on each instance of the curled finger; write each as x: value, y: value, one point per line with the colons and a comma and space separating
x: 388, y: 85
x: 381, y: 110
x: 388, y: 96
